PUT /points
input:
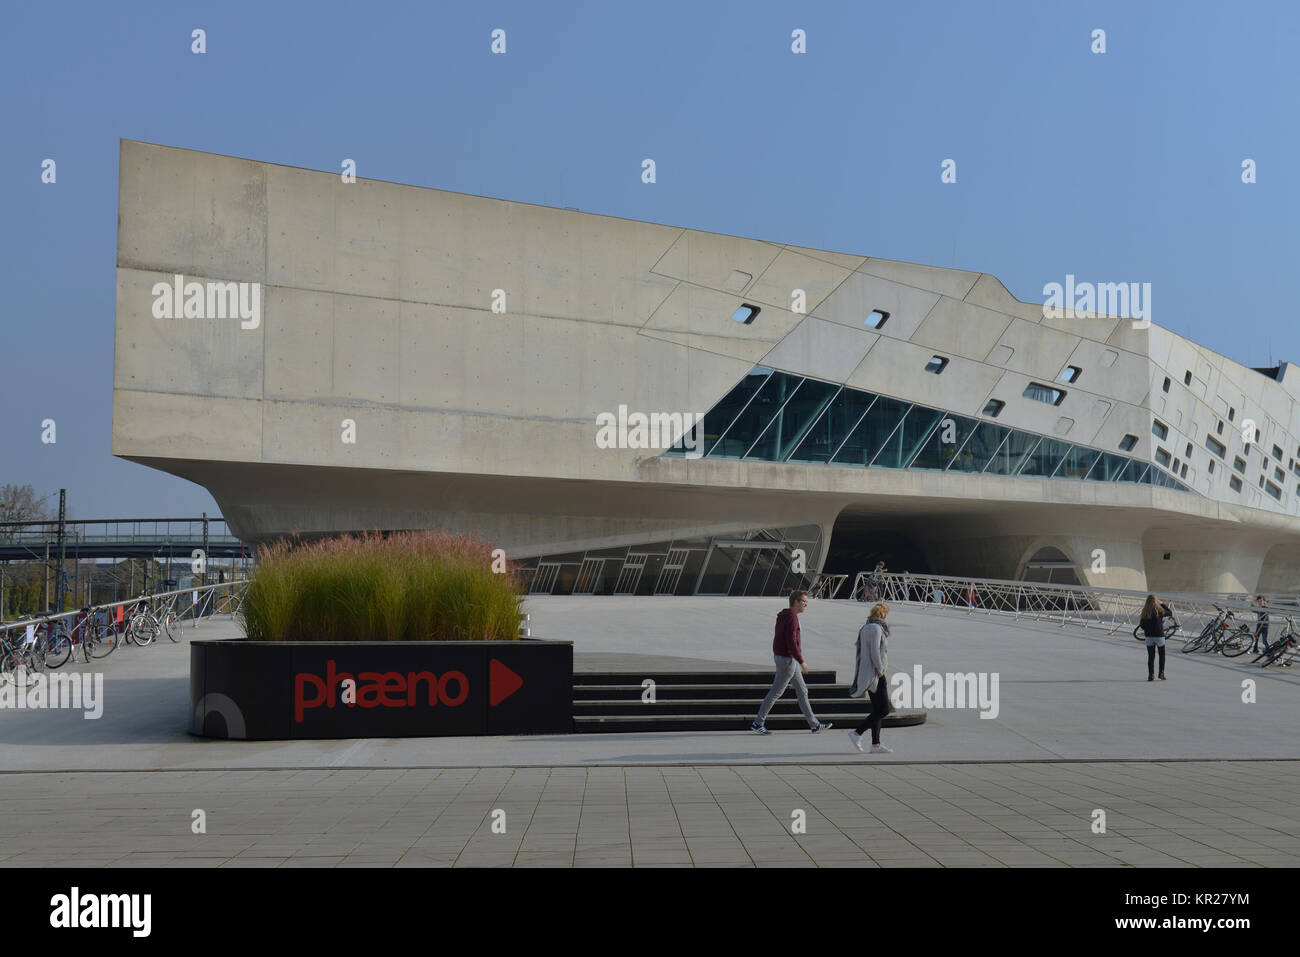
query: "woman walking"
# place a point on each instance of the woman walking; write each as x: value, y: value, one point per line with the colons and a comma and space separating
x: 869, y: 677
x: 1152, y: 621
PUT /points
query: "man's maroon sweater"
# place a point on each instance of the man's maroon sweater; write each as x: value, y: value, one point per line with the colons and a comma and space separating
x: 786, y: 640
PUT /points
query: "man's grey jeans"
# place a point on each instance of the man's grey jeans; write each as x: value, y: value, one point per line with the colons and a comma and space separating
x: 787, y: 669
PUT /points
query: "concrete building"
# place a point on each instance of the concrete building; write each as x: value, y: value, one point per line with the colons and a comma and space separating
x: 410, y: 357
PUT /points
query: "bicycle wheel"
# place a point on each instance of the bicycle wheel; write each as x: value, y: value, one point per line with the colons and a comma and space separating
x: 1192, y: 644
x: 1139, y: 634
x: 172, y: 625
x: 144, y: 628
x: 1171, y: 626
x: 1238, y: 643
x: 58, y: 651
x: 102, y: 646
x: 13, y: 669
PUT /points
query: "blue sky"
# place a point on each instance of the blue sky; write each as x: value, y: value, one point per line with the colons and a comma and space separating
x: 1115, y: 167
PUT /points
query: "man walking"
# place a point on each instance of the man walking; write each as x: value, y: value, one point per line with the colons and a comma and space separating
x: 789, y: 666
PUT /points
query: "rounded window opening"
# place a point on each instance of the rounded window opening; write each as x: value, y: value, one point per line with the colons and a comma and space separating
x: 1050, y: 566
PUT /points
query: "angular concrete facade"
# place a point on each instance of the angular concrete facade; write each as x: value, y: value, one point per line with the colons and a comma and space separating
x: 377, y: 309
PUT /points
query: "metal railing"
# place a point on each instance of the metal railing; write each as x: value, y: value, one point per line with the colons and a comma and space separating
x: 202, y: 602
x: 1109, y: 609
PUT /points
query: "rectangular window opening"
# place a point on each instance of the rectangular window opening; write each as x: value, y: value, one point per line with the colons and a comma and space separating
x: 1166, y: 385
x: 1071, y: 374
x: 1159, y: 429
x: 994, y: 408
x: 745, y: 314
x: 1044, y: 393
x: 936, y: 365
x: 1215, y: 446
x: 1126, y: 444
x: 876, y: 318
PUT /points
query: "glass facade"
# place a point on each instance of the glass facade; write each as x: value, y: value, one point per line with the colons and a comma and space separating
x: 774, y: 416
x: 754, y: 562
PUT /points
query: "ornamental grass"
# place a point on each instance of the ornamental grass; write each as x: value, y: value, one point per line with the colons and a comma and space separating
x: 408, y: 586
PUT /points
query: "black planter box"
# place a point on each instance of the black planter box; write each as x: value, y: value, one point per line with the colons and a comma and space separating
x: 256, y: 690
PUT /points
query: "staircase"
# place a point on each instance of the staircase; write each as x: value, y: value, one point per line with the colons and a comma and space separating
x: 611, y: 702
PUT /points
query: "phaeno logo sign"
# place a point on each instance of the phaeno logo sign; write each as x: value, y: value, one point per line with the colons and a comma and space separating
x: 395, y: 689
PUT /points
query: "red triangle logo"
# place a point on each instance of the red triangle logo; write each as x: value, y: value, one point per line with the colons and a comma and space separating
x: 502, y: 683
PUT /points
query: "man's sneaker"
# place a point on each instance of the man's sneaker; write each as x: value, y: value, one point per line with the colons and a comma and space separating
x: 1162, y: 676
x: 855, y: 739
x: 759, y: 728
x: 821, y: 726
x: 881, y: 749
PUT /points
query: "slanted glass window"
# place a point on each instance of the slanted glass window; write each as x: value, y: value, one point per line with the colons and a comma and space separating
x: 908, y: 438
x: 942, y: 445
x: 1162, y: 457
x: 876, y: 318
x: 1234, y: 483
x: 1045, y: 458
x: 1187, y: 379
x: 1277, y: 452
x: 1126, y: 444
x: 1273, y: 490
x: 1279, y: 475
x: 1239, y: 464
x: 1231, y: 412
x: 1078, y: 460
x: 745, y: 314
x: 1210, y: 468
x: 1183, y: 472
x: 724, y: 413
x: 1159, y: 429
x: 1044, y: 393
x: 1218, y: 427
x: 994, y: 408
x: 788, y: 427
x: 936, y: 365
x: 1012, y: 454
x: 1071, y: 374
x: 1165, y: 387
x: 749, y: 424
x: 1215, y: 446
x: 1188, y: 453
x: 1134, y: 471
x: 876, y: 426
x: 979, y: 448
x: 834, y: 426
x: 1108, y: 467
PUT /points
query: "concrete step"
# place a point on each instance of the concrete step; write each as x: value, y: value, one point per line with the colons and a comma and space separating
x: 586, y: 678
x: 733, y: 722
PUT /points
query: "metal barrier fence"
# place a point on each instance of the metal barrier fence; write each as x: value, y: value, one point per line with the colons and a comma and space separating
x: 1110, y: 609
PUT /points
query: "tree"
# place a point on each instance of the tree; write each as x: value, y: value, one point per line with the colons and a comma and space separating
x: 18, y: 503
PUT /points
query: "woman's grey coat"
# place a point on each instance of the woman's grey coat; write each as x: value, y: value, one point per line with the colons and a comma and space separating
x: 872, y: 657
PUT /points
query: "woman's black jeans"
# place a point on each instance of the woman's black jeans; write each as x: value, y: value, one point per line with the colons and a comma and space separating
x: 880, y: 707
x: 1151, y: 660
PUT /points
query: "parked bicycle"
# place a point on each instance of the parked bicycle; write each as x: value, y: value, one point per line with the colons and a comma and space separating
x: 147, y: 623
x: 1282, y: 651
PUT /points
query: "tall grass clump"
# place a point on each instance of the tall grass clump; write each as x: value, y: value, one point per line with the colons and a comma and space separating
x: 408, y: 586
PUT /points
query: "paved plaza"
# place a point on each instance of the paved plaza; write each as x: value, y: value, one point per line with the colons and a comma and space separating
x: 1202, y: 814
x: 1185, y: 771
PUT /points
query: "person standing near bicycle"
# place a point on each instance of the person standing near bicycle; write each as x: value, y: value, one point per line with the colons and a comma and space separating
x: 1261, y: 624
x: 1152, y: 621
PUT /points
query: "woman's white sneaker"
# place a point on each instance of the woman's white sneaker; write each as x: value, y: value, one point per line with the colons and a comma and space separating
x: 855, y: 739
x: 881, y: 749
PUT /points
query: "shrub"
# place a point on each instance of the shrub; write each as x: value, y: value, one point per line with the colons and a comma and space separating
x: 408, y: 586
